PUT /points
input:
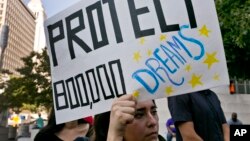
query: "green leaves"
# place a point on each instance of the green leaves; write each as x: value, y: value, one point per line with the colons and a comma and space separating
x: 234, y: 18
x: 33, y: 87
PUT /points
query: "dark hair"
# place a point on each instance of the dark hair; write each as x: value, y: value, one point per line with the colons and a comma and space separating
x: 91, y: 133
x: 101, y: 126
x: 81, y: 121
x: 52, y: 127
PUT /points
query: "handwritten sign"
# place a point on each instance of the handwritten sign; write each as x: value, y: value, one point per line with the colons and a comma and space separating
x: 100, y: 50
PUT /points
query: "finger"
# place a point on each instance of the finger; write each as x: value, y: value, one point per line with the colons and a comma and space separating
x: 128, y: 118
x: 124, y: 103
x: 124, y: 118
x: 126, y: 97
x: 126, y: 110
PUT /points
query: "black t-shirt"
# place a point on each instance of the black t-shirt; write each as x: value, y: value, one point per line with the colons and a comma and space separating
x: 204, y: 109
x: 160, y: 138
x: 42, y: 136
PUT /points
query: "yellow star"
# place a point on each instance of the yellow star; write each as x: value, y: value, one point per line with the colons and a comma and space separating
x: 149, y: 52
x: 169, y: 90
x: 211, y: 59
x: 163, y: 37
x: 195, y: 80
x: 204, y: 31
x: 188, y: 68
x: 136, y: 94
x: 142, y: 40
x: 216, y: 77
x: 137, y: 56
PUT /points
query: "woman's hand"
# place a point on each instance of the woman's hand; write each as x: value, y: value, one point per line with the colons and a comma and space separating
x: 122, y: 112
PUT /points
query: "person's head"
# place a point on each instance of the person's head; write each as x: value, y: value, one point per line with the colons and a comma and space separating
x: 234, y: 116
x: 10, y: 111
x: 143, y: 128
x: 39, y: 114
x: 145, y: 125
x: 82, y: 125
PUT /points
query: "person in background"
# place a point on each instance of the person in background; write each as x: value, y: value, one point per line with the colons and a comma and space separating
x: 13, y: 124
x: 39, y: 122
x: 13, y: 118
x: 170, y: 129
x: 10, y: 121
x: 234, y: 120
x: 69, y: 131
x: 198, y: 116
x: 131, y: 120
x: 16, y: 119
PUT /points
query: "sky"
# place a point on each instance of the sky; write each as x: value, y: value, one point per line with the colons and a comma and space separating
x: 53, y: 7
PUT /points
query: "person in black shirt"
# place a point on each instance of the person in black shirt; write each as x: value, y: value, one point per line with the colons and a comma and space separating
x: 198, y: 116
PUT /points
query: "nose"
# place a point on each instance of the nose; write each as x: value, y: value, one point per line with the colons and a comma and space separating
x: 152, y: 120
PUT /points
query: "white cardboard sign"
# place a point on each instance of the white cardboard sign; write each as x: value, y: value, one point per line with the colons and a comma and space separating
x: 100, y: 50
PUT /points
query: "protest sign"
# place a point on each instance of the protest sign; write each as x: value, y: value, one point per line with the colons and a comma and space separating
x: 100, y: 50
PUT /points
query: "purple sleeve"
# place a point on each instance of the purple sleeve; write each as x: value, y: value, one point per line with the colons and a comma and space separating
x: 168, y: 123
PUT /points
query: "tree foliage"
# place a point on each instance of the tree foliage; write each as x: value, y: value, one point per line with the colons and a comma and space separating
x: 33, y: 87
x: 234, y: 18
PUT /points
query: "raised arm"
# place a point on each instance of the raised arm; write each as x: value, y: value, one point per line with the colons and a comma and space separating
x: 122, y: 113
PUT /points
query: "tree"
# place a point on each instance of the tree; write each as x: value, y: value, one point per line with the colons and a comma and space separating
x: 234, y: 18
x: 33, y: 86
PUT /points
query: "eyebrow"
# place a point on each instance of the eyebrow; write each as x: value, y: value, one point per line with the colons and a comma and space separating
x: 143, y: 109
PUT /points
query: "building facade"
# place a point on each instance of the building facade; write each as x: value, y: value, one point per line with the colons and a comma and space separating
x: 37, y: 9
x: 21, y: 23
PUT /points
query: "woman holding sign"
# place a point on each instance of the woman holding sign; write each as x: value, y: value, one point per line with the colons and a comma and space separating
x: 69, y: 131
x: 133, y: 121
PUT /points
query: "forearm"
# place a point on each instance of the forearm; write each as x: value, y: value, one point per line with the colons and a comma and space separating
x: 225, y: 128
x: 188, y: 133
x: 192, y: 138
x: 122, y: 113
x: 113, y: 137
x: 114, y: 134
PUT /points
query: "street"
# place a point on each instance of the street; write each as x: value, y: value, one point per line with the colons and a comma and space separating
x: 3, y: 133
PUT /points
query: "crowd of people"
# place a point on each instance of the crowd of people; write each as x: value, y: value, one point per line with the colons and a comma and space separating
x: 196, y: 116
x: 131, y: 121
x: 14, y: 119
x: 20, y: 123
